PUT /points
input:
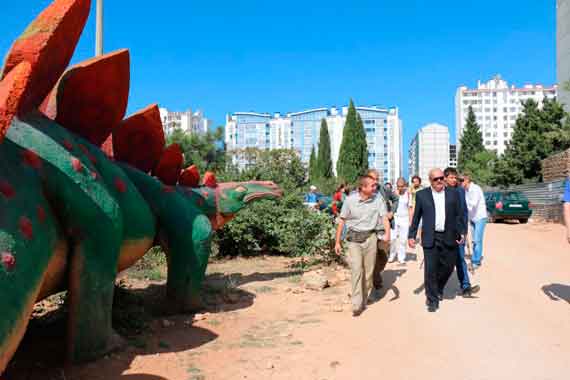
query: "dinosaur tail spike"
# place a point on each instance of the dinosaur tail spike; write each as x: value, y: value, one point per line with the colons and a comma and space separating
x: 210, y: 180
x: 190, y: 177
x: 139, y: 139
x: 91, y: 97
x: 15, y: 84
x: 170, y: 164
x: 47, y: 44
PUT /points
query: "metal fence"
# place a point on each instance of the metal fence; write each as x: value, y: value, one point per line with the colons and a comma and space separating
x: 546, y: 198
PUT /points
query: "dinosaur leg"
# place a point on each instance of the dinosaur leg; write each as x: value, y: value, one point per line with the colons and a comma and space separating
x: 185, y: 234
x: 187, y: 262
x: 93, y: 222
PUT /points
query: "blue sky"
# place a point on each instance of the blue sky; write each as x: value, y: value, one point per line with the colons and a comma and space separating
x: 267, y: 56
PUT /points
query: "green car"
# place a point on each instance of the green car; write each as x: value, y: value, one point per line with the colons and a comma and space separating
x: 508, y: 205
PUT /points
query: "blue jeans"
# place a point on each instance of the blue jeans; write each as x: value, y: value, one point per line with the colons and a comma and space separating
x: 461, y: 267
x: 478, y: 232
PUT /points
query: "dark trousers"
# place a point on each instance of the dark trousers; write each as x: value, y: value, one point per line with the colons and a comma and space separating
x: 381, y: 260
x: 439, y: 264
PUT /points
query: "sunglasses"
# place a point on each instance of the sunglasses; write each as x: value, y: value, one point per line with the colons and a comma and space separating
x: 437, y: 179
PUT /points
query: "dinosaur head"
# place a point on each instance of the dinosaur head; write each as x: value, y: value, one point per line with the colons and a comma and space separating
x: 231, y: 197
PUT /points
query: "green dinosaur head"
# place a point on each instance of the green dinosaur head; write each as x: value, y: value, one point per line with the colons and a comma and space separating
x: 231, y: 197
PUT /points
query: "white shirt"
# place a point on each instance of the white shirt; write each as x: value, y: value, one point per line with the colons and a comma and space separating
x: 475, y: 203
x: 439, y: 201
x: 403, y: 206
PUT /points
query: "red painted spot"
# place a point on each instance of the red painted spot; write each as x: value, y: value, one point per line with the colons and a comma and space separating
x: 8, y: 261
x: 41, y: 214
x: 7, y: 190
x: 31, y: 159
x: 67, y: 144
x: 26, y: 227
x: 94, y: 175
x: 168, y: 189
x: 120, y: 185
x: 205, y: 194
x: 83, y: 149
x: 76, y: 164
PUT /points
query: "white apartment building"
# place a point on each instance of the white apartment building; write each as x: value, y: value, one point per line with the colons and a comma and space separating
x: 300, y: 131
x: 496, y: 106
x: 187, y: 121
x: 563, y: 51
x: 429, y: 149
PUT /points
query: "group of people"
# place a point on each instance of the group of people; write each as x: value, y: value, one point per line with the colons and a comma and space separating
x: 378, y: 224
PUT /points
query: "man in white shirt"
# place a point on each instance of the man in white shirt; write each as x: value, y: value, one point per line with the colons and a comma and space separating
x: 402, y: 220
x: 477, y: 209
x: 443, y: 230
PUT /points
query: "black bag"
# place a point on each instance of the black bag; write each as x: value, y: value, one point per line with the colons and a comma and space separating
x: 358, y: 236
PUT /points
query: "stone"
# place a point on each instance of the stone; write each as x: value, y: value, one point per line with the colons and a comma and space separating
x: 91, y: 97
x: 170, y: 164
x: 199, y: 317
x: 139, y: 139
x: 337, y: 308
x: 269, y: 366
x: 12, y: 90
x: 190, y: 177
x: 315, y: 280
x: 47, y: 45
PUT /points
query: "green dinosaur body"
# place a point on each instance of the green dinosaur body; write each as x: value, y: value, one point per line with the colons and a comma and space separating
x: 72, y: 213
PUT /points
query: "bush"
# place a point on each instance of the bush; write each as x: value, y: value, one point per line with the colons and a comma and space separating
x: 283, y: 227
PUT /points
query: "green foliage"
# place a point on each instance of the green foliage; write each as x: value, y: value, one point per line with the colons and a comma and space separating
x: 324, y: 162
x: 353, y: 157
x: 538, y: 134
x: 471, y: 141
x: 284, y: 227
x: 202, y: 150
x: 282, y: 166
x: 482, y: 167
x: 313, y: 165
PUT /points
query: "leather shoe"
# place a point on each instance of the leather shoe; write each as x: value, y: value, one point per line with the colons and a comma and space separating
x: 468, y: 292
x: 357, y: 312
x: 440, y: 296
x: 432, y: 307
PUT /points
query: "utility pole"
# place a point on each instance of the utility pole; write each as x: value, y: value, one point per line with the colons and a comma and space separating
x: 99, y: 30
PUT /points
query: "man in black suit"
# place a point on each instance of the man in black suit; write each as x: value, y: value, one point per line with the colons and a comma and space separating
x: 443, y: 229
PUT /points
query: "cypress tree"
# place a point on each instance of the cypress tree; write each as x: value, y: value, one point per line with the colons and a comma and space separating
x: 353, y: 157
x: 313, y: 165
x: 324, y: 162
x: 471, y: 142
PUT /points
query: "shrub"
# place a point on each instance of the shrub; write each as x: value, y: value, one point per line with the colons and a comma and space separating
x: 283, y: 227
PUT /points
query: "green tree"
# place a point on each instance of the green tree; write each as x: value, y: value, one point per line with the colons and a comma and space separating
x: 353, y: 157
x: 282, y: 166
x: 482, y: 167
x: 471, y: 142
x: 206, y: 151
x: 313, y: 173
x: 324, y: 162
x: 539, y: 132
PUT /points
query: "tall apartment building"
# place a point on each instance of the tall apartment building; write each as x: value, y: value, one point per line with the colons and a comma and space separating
x: 188, y: 121
x: 563, y: 51
x: 496, y: 106
x: 429, y: 149
x: 453, y: 155
x: 300, y: 131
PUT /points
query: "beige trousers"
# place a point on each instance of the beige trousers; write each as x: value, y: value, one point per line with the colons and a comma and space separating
x: 361, y: 258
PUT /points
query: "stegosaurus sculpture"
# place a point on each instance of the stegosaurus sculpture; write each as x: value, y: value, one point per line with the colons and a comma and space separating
x: 84, y: 194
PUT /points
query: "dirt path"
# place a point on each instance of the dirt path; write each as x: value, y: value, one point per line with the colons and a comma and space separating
x: 517, y: 328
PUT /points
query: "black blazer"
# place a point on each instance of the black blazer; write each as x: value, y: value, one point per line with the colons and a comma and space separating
x: 425, y: 210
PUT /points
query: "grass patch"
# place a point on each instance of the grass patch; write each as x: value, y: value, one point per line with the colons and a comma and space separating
x: 152, y: 266
x: 264, y: 289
